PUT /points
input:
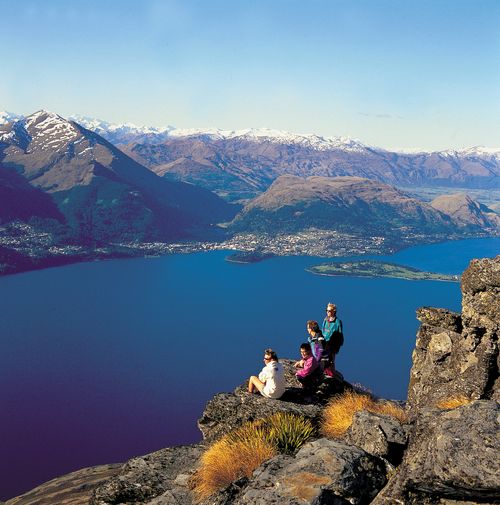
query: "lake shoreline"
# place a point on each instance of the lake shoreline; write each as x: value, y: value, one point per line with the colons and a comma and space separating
x: 155, y: 250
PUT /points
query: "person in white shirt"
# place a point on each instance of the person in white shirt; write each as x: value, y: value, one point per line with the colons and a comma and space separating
x: 271, y: 380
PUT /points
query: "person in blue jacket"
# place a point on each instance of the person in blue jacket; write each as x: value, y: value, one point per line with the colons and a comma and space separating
x: 334, y: 337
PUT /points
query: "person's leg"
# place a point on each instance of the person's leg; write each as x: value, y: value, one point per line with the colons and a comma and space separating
x: 329, y: 369
x: 332, y: 366
x: 255, y: 383
x: 304, y: 381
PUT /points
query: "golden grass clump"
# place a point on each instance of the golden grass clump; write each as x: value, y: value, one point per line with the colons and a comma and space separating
x: 339, y: 413
x: 241, y: 451
x: 229, y: 459
x: 453, y: 402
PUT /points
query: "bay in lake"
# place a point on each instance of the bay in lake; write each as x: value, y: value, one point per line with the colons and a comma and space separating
x: 103, y: 361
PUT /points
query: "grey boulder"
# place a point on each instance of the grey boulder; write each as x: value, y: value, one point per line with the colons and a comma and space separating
x: 161, y: 476
x: 379, y: 435
x: 323, y: 472
x: 453, y: 455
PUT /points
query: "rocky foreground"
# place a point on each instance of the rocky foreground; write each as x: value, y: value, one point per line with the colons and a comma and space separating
x: 442, y: 456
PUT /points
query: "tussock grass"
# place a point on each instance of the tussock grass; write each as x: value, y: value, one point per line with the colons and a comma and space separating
x: 241, y: 451
x: 287, y: 432
x: 339, y: 413
x: 453, y: 402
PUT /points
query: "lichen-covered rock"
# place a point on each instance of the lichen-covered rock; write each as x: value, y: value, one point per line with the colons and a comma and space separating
x: 481, y: 275
x: 453, y: 455
x: 379, y: 435
x: 227, y: 411
x: 161, y: 476
x: 440, y: 318
x: 322, y: 472
x: 457, y: 354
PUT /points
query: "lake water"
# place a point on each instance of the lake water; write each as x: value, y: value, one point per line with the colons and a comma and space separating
x: 103, y: 361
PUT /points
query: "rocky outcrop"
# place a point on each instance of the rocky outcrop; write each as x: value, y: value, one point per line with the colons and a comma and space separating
x: 227, y: 411
x: 379, y: 435
x: 160, y: 478
x: 457, y: 354
x: 453, y: 454
x: 322, y: 472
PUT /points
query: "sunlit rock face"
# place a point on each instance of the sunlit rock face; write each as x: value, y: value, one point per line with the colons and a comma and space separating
x: 457, y: 354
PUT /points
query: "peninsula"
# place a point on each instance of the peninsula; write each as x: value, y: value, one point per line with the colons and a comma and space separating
x: 248, y: 256
x: 369, y: 268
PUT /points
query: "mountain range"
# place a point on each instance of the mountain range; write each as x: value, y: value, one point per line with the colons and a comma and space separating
x: 242, y: 164
x: 69, y: 182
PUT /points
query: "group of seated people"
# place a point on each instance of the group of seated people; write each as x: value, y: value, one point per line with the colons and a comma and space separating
x: 317, y: 359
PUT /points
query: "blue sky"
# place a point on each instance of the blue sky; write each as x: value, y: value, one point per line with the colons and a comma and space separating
x: 393, y: 73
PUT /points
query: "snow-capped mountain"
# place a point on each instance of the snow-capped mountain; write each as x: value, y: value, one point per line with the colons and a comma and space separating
x: 476, y: 151
x: 311, y: 141
x: 103, y: 194
x: 240, y: 164
x: 8, y: 117
x: 123, y: 133
x: 128, y: 132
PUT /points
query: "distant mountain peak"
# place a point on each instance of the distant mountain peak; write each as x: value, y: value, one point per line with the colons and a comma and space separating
x: 466, y: 211
x: 48, y: 130
x: 123, y: 133
x: 276, y: 136
x: 42, y: 117
x: 8, y: 117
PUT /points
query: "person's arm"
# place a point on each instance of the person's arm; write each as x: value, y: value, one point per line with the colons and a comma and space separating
x: 307, y: 366
x: 263, y: 375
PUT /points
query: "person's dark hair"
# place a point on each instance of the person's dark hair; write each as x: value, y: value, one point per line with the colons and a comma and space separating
x: 314, y: 326
x: 306, y: 347
x: 271, y: 354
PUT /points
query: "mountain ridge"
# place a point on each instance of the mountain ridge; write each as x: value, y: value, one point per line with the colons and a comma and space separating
x: 128, y: 129
x: 103, y: 194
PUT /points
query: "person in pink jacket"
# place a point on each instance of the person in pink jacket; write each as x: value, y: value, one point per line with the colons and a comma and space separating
x: 309, y: 373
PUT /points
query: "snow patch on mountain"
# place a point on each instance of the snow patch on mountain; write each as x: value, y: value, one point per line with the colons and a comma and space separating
x: 275, y: 136
x: 99, y: 125
x: 8, y: 117
x: 46, y: 129
x: 128, y: 132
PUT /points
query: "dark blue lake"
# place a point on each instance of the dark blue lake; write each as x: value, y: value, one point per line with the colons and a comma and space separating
x: 103, y: 361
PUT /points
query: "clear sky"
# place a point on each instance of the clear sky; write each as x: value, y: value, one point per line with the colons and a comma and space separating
x: 393, y: 73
